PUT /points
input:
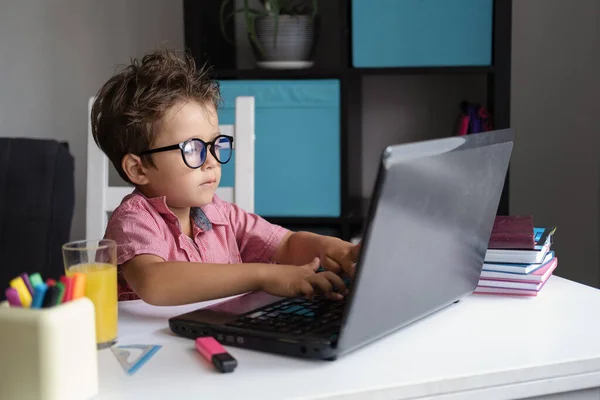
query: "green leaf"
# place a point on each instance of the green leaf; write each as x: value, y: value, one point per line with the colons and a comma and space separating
x: 254, y: 38
x: 250, y: 18
x: 224, y: 19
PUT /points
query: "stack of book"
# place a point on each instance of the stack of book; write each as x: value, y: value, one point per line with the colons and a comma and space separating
x: 519, y: 259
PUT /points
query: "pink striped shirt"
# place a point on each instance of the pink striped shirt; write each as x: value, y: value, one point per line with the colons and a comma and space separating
x: 223, y: 233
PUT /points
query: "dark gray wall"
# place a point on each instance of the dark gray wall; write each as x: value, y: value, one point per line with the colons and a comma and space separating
x: 556, y: 116
x: 401, y: 109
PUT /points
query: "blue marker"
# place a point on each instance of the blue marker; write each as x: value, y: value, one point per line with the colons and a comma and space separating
x: 38, y: 295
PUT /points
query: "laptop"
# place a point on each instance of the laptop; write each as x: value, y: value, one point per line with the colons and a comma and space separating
x: 424, y: 242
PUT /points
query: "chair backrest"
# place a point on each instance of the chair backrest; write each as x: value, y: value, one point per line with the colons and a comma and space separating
x: 37, y: 200
x: 103, y: 198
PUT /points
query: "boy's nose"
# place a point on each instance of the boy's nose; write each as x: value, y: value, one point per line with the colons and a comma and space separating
x: 211, y: 161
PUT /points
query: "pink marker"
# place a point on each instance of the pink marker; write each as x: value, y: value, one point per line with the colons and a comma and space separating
x: 13, y: 297
x: 214, y: 353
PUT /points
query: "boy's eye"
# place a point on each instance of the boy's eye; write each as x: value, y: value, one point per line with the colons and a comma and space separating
x: 194, y: 153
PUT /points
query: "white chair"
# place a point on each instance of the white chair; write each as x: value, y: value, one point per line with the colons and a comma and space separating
x: 103, y: 198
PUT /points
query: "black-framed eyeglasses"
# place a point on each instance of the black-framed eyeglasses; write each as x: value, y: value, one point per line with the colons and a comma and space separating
x: 193, y: 151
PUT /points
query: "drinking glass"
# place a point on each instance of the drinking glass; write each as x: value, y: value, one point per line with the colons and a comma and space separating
x: 97, y: 259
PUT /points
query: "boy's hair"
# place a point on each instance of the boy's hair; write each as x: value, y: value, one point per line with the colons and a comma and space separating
x: 129, y: 108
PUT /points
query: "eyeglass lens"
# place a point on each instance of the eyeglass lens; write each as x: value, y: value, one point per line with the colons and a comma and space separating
x: 195, y: 151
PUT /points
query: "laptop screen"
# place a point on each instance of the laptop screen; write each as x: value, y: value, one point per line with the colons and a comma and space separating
x: 431, y: 217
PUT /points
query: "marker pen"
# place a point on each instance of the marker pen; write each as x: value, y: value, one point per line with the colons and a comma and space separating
x: 25, y: 278
x: 50, y: 297
x: 13, y: 297
x: 68, y: 282
x: 60, y: 292
x: 24, y: 296
x: 35, y: 279
x: 38, y: 295
x: 214, y: 353
x: 78, y: 283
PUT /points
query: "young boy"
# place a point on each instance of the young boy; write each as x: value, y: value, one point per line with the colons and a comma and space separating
x: 178, y: 243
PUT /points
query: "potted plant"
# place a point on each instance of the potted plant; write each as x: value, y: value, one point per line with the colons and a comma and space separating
x: 282, y: 34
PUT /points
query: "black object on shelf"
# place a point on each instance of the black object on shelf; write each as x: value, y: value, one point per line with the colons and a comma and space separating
x: 333, y: 60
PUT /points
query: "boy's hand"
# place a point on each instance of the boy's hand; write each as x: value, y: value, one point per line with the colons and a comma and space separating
x: 291, y: 281
x: 338, y: 255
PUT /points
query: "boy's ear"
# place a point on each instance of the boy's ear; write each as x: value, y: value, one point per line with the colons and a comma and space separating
x: 134, y: 169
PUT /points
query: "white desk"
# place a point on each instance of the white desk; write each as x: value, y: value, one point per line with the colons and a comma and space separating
x: 481, y: 348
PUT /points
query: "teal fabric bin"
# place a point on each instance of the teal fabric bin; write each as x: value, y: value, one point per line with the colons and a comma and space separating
x: 421, y: 33
x: 297, y: 147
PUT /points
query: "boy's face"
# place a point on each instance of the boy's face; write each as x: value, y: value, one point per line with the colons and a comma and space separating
x: 183, y: 186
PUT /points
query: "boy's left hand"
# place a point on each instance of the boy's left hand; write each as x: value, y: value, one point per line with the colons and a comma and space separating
x: 338, y: 255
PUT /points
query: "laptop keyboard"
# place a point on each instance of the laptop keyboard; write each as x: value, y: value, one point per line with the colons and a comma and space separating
x: 295, y: 317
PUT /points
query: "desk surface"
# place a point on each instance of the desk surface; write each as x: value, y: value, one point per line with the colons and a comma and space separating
x: 483, y: 347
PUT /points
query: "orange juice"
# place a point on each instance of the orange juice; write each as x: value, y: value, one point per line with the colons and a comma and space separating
x: 101, y: 289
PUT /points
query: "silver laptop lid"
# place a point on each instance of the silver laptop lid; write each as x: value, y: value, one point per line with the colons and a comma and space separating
x: 430, y: 221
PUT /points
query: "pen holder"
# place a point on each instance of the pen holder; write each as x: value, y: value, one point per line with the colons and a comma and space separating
x: 48, y: 353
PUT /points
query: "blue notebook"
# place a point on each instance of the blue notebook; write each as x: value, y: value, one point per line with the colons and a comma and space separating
x: 518, y: 268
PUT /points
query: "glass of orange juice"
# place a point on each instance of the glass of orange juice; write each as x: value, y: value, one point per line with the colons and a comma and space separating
x: 97, y: 259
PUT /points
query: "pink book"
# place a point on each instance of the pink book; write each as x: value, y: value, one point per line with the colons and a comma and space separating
x: 500, y: 291
x: 506, y: 292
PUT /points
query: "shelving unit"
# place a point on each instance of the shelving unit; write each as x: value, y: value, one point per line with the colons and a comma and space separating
x: 333, y: 60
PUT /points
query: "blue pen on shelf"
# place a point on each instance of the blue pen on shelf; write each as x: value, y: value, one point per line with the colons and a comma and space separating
x: 38, y: 296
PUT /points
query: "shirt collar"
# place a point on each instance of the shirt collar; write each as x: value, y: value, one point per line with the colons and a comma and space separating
x: 210, y: 211
x: 213, y: 213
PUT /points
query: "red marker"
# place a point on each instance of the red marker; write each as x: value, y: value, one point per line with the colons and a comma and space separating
x: 68, y: 282
x: 214, y: 353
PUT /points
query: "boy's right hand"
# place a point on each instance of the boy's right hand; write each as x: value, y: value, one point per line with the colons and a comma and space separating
x: 291, y: 281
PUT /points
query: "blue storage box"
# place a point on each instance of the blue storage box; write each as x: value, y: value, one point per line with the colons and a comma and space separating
x: 421, y: 33
x: 297, y: 147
